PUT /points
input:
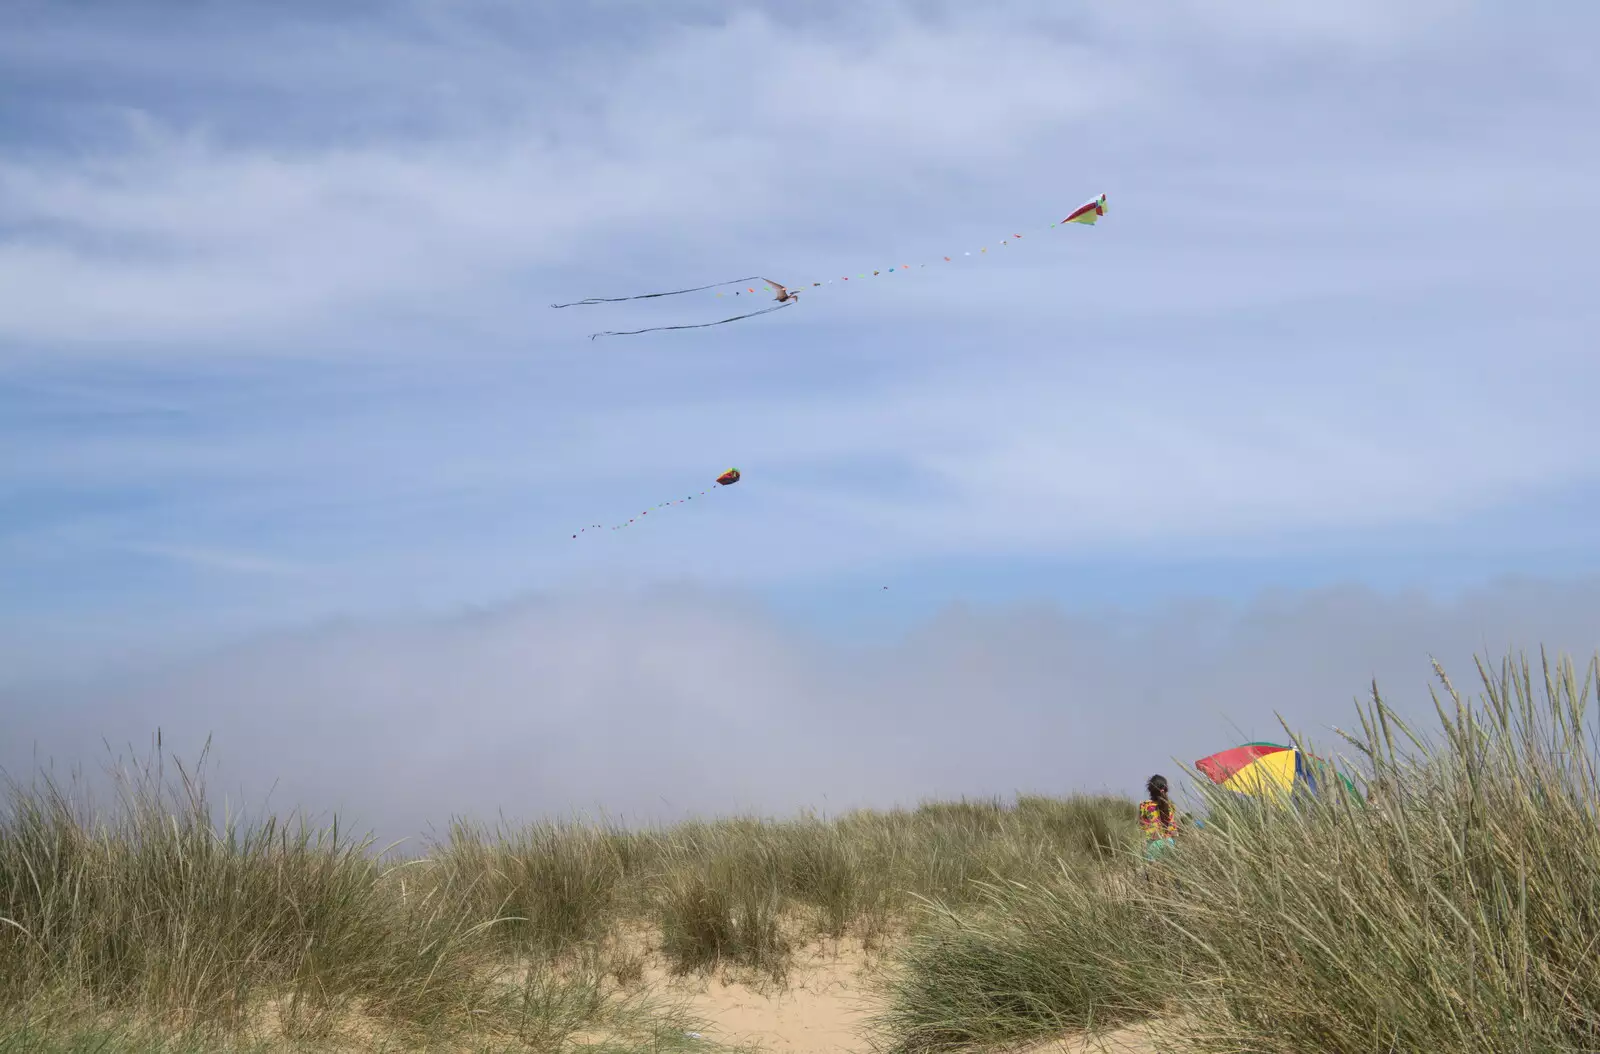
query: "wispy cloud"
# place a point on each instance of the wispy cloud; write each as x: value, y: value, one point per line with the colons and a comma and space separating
x: 220, y: 226
x: 242, y: 563
x: 1341, y: 292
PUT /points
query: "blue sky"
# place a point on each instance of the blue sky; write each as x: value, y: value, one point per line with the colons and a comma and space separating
x: 275, y: 344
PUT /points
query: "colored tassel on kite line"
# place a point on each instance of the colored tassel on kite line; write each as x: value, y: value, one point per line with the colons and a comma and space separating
x: 726, y: 479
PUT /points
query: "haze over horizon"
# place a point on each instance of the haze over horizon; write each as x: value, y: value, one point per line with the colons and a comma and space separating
x: 294, y: 446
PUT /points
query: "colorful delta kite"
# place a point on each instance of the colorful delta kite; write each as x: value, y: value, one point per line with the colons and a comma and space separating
x: 728, y: 478
x: 785, y: 296
x: 1086, y: 213
x: 1262, y: 769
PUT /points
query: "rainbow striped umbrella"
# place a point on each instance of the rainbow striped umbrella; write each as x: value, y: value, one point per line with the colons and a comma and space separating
x: 1254, y: 767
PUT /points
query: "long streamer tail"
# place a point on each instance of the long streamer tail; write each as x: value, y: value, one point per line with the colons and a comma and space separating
x: 701, y: 325
x: 647, y: 296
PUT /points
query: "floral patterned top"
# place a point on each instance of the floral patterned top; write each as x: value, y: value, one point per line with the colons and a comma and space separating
x: 1150, y: 822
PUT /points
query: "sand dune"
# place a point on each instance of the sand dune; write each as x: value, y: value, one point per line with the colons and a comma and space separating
x: 825, y: 1007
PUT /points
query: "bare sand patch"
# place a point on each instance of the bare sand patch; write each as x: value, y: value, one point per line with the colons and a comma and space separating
x: 823, y: 1007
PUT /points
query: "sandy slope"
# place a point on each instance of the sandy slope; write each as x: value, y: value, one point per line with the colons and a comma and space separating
x: 825, y: 1008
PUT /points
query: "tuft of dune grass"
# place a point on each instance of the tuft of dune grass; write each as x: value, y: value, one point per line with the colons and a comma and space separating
x: 717, y: 890
x: 148, y: 927
x: 726, y: 909
x: 156, y: 923
x: 1460, y: 910
x: 157, y: 913
x: 1024, y: 962
x: 555, y: 886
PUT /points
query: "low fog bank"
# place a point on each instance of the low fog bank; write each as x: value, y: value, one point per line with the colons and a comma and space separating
x: 650, y: 707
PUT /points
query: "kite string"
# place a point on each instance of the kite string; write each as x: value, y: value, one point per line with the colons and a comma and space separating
x: 647, y: 296
x: 646, y: 512
x: 1085, y: 214
x: 701, y: 325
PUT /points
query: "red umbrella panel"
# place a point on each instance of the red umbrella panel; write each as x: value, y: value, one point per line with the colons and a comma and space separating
x: 1251, y: 768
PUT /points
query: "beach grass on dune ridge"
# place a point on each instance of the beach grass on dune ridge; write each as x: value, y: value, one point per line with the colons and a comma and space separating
x: 1024, y: 961
x: 152, y: 912
x: 1459, y: 909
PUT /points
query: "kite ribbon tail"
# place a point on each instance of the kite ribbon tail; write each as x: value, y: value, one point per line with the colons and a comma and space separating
x: 647, y: 296
x: 700, y: 325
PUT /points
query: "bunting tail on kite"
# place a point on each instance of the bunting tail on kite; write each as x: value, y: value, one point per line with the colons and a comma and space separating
x: 727, y: 478
x: 1087, y: 214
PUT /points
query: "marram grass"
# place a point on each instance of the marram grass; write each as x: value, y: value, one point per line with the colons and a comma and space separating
x: 1457, y: 909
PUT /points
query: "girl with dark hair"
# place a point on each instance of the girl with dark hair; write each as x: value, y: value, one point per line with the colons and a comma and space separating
x: 1157, y: 818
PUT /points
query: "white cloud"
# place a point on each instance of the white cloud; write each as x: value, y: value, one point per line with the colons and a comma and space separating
x: 1320, y: 301
x: 1365, y: 24
x: 753, y: 126
x: 182, y: 234
x: 242, y: 563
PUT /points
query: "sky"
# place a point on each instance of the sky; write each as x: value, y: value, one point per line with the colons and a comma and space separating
x: 294, y: 445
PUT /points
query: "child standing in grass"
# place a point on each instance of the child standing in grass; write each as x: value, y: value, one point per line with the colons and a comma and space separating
x: 1158, y: 820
